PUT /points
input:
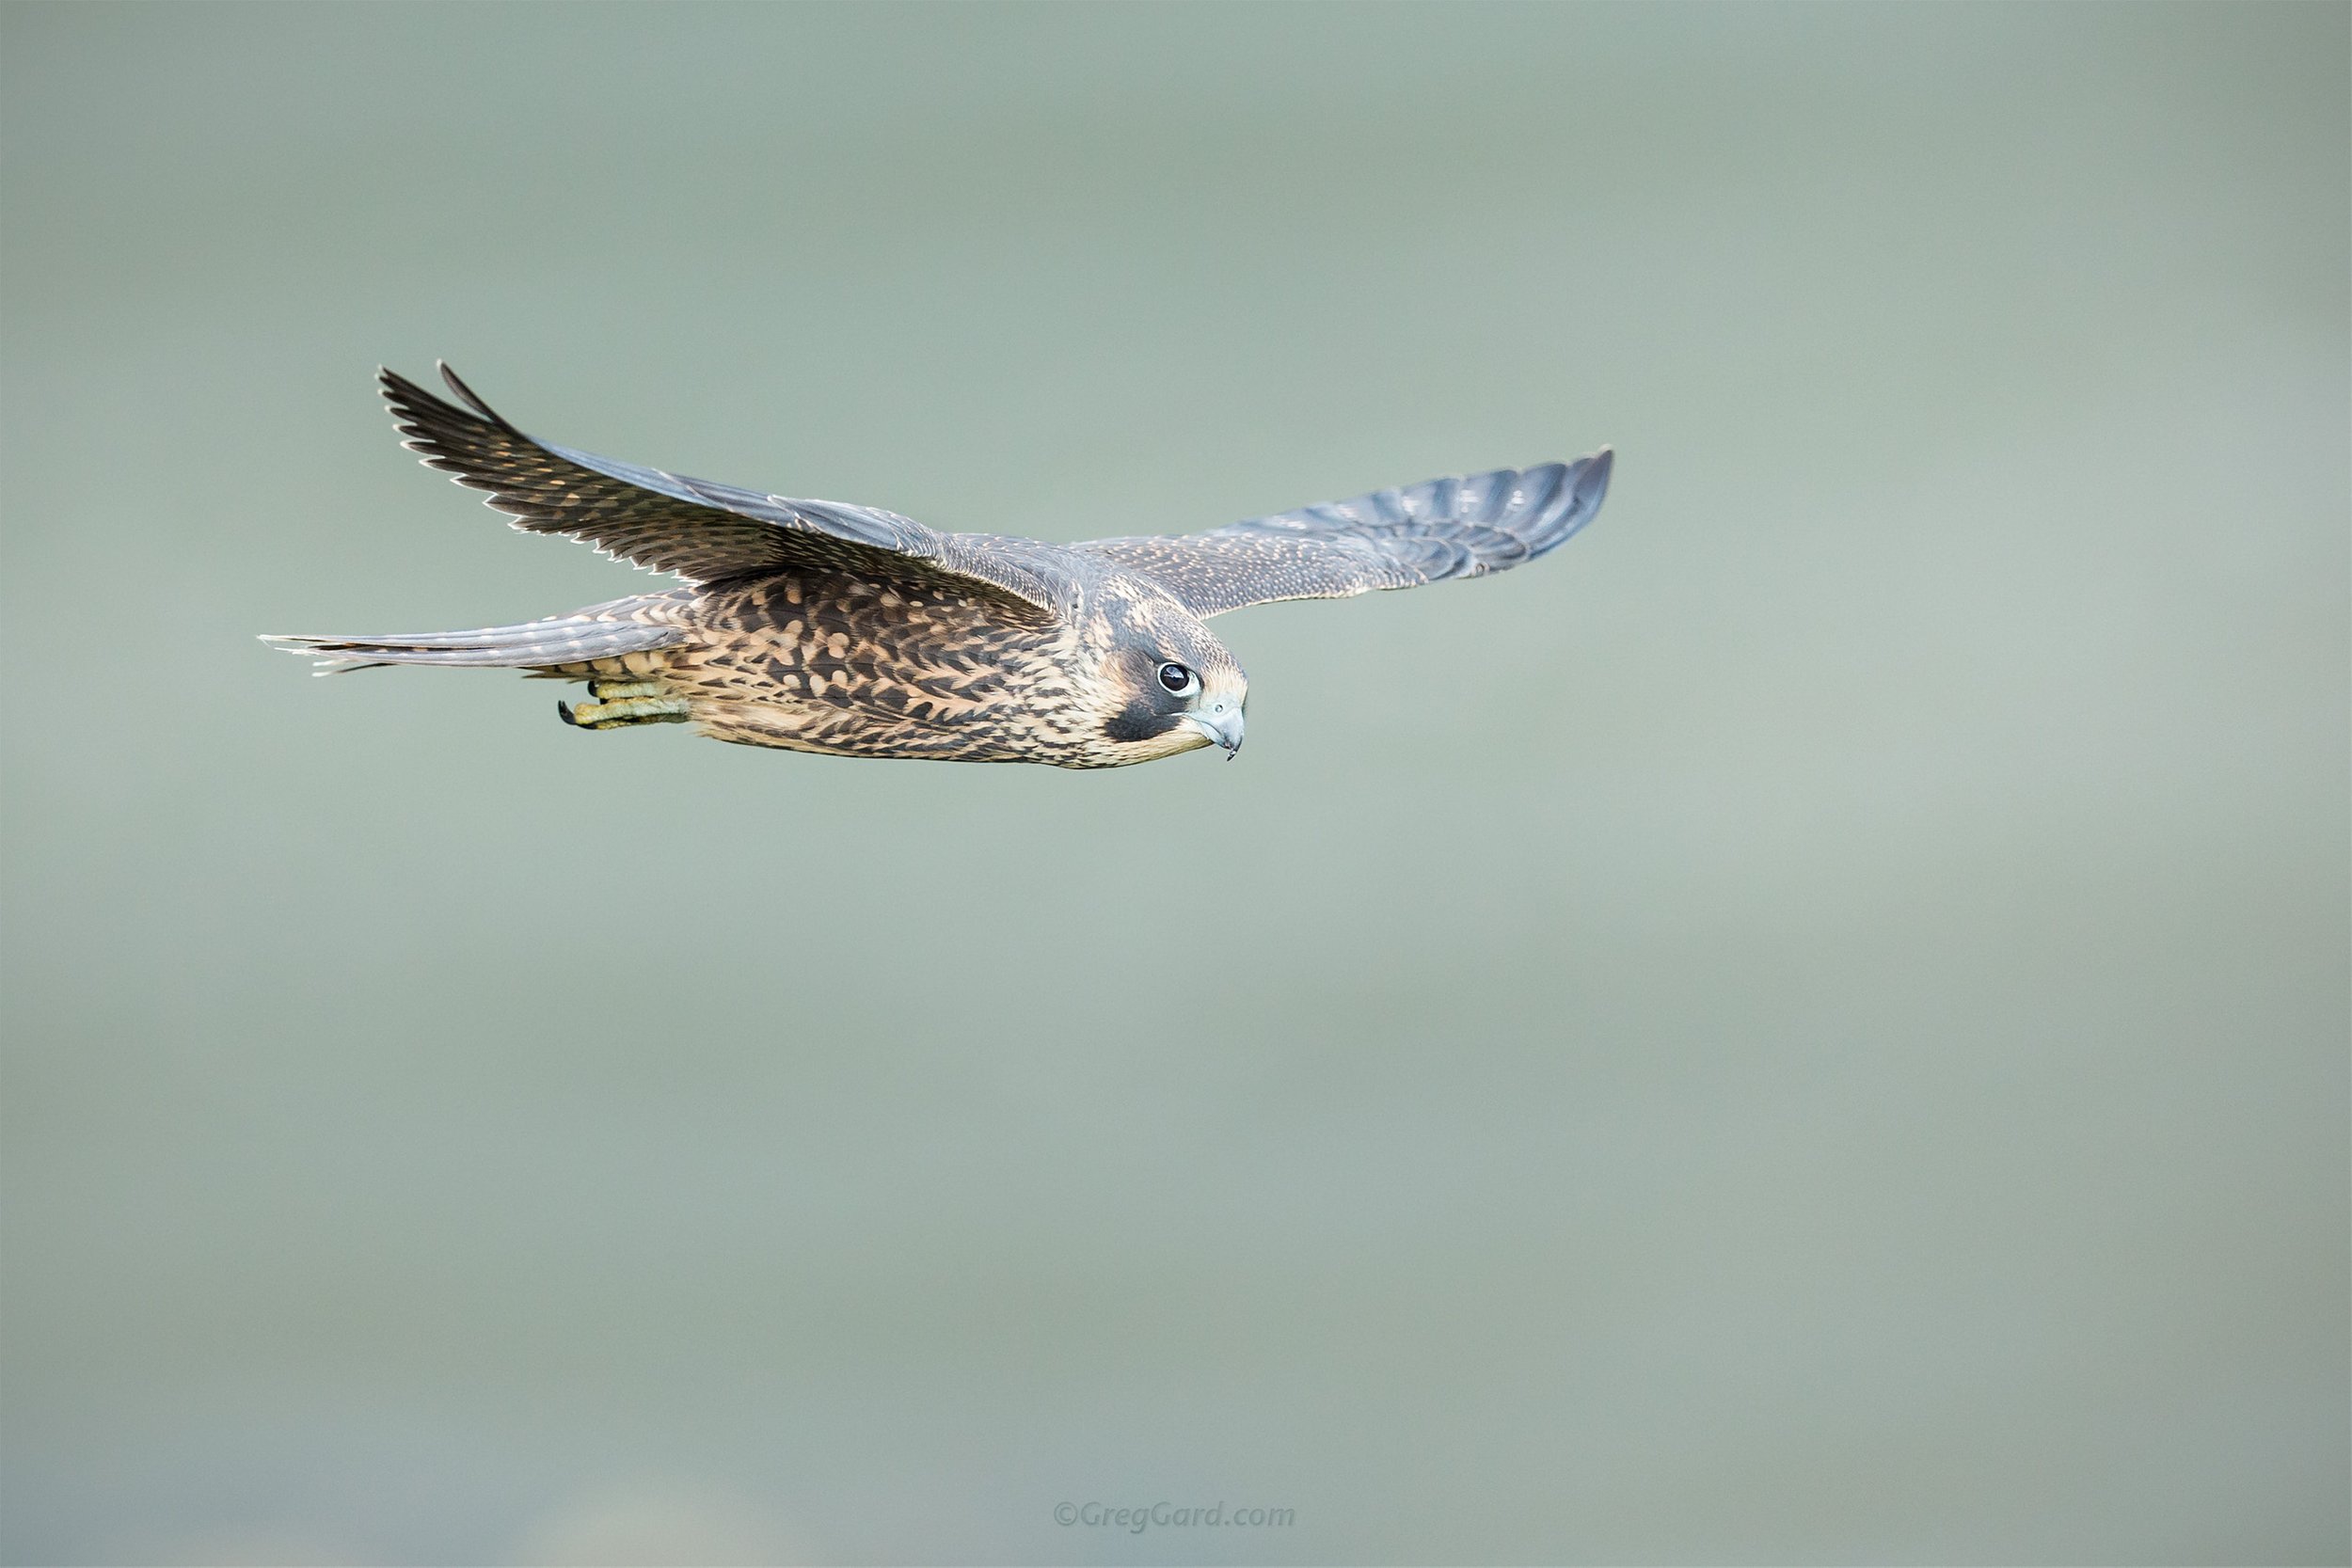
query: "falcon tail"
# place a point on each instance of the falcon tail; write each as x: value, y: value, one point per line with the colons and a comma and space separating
x: 532, y: 645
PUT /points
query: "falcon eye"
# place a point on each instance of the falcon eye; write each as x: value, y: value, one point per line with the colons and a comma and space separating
x: 1180, y: 680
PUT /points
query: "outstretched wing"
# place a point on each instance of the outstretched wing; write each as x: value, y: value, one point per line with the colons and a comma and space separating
x: 690, y: 528
x: 1439, y: 528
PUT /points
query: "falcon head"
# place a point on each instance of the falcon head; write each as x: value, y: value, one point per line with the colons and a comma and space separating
x: 1165, y: 682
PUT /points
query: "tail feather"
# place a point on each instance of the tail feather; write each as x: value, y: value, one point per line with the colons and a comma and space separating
x: 532, y: 644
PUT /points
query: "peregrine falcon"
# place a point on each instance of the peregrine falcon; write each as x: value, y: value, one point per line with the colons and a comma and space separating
x: 819, y: 626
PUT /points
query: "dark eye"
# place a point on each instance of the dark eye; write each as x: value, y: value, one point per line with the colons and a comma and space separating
x: 1178, y: 679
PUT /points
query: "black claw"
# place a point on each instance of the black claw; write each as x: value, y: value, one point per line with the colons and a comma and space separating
x: 564, y: 711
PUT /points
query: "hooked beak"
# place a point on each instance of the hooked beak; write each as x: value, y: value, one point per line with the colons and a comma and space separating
x: 1223, y: 728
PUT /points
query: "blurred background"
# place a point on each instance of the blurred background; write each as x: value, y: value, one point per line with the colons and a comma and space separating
x: 1811, y: 1026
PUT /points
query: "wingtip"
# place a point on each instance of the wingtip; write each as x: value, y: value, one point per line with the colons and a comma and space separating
x: 402, y: 396
x: 1593, y: 480
x: 412, y: 402
x: 466, y: 393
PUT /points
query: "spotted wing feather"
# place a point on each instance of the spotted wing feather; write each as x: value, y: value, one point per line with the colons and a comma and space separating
x: 693, y: 528
x: 1439, y: 528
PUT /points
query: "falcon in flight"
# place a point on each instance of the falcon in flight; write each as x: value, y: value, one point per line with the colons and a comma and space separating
x: 819, y: 626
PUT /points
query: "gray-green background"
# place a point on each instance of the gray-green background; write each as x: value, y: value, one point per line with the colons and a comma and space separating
x: 1810, y: 1025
